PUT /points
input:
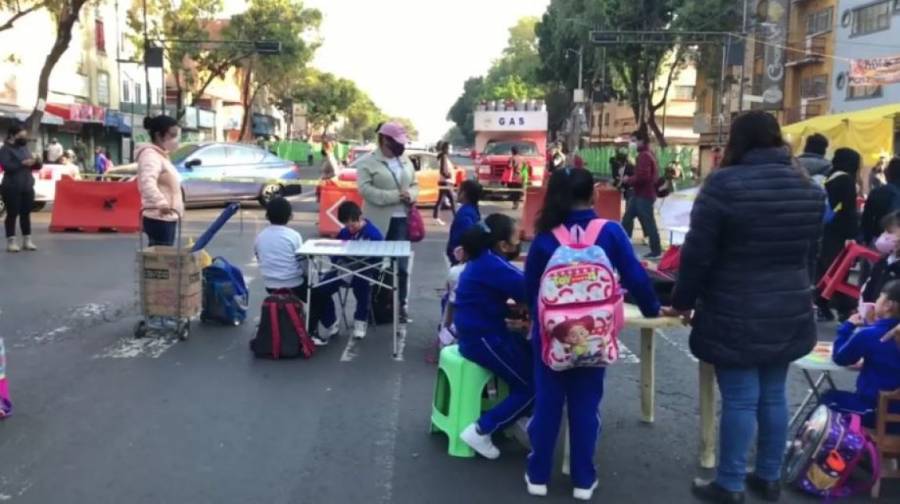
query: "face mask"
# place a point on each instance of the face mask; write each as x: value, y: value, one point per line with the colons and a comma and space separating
x: 170, y: 144
x: 515, y: 253
x: 886, y: 243
x: 396, y: 148
x: 21, y: 142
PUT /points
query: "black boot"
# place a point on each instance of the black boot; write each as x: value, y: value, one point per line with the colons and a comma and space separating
x: 766, y: 490
x: 710, y: 491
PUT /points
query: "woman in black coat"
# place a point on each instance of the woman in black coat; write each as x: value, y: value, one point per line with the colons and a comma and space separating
x: 745, y: 273
x: 841, y: 188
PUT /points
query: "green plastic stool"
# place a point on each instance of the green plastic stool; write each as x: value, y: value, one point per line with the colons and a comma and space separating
x: 459, y: 398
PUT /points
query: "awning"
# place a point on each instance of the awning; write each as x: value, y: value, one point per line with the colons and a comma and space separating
x: 78, y: 112
x: 22, y: 116
x: 869, y: 131
x: 115, y: 120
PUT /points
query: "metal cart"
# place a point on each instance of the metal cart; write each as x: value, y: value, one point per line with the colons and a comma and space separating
x: 154, y: 320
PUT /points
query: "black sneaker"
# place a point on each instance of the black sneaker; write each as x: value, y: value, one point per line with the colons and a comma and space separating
x: 404, y: 317
x: 318, y: 340
x: 766, y: 490
x: 710, y: 491
x: 653, y: 256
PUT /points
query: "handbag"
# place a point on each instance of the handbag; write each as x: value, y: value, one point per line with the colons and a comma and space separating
x: 415, y: 224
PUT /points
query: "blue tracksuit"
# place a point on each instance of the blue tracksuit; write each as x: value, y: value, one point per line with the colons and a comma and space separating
x: 360, y: 287
x: 581, y: 388
x: 880, y: 370
x: 466, y: 216
x: 485, y: 286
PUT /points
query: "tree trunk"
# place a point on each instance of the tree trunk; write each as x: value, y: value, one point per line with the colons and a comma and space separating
x: 67, y: 19
x: 247, y: 102
x: 179, y: 98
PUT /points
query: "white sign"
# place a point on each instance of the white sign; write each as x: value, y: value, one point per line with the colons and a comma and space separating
x: 512, y: 120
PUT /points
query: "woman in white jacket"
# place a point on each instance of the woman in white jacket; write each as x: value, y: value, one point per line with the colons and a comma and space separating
x: 158, y: 181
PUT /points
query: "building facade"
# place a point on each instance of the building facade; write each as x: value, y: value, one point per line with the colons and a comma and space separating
x: 808, y: 60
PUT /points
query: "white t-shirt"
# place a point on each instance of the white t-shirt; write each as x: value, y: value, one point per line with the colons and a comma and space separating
x: 453, y: 281
x: 396, y: 167
x: 276, y: 250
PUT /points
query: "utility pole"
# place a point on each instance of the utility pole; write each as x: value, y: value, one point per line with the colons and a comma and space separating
x: 578, y: 99
x: 744, y: 40
x: 146, y: 63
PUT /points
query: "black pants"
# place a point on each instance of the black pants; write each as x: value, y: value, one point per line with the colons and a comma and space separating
x: 397, y: 231
x: 515, y: 196
x: 160, y: 232
x: 18, y: 205
x: 642, y: 209
x: 445, y: 191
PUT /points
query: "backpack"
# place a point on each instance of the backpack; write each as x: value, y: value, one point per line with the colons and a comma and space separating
x: 580, y: 305
x: 6, y: 407
x: 825, y: 453
x: 225, y: 295
x: 282, y: 331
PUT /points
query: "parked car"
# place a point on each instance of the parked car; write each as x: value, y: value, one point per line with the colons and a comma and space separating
x: 45, y: 184
x: 491, y: 164
x: 427, y: 174
x: 222, y: 172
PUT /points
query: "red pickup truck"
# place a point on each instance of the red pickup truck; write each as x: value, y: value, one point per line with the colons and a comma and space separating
x: 491, y: 164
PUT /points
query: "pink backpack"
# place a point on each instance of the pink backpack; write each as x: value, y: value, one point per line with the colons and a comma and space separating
x: 5, y: 403
x: 581, y: 308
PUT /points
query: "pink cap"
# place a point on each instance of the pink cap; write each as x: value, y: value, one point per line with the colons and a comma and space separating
x: 395, y: 131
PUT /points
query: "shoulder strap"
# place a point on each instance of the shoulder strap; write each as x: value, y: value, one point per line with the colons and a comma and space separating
x: 396, y: 180
x: 592, y: 233
x: 562, y: 235
x: 835, y: 175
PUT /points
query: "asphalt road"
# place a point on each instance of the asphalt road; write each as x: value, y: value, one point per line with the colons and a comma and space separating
x: 102, y: 418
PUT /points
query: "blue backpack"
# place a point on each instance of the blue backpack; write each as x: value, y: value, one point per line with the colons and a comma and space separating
x: 225, y: 295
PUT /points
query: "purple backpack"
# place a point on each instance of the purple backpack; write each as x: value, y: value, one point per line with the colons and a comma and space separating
x: 827, y: 451
x: 5, y: 403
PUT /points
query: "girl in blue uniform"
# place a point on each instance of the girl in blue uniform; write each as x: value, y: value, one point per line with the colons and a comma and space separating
x: 569, y: 202
x: 485, y: 286
x: 466, y: 216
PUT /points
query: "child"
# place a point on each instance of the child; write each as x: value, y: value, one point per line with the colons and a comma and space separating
x: 276, y: 251
x: 487, y: 283
x: 569, y: 202
x: 447, y: 333
x: 357, y: 228
x: 881, y: 359
x: 466, y: 216
x: 888, y: 267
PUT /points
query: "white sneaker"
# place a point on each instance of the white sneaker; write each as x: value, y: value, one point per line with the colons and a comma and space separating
x: 27, y: 244
x: 12, y: 246
x: 332, y: 331
x: 440, y: 222
x: 359, y: 329
x: 584, y: 493
x: 536, y: 490
x: 481, y: 443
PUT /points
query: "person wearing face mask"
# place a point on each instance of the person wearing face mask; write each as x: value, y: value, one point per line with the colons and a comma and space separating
x: 887, y: 268
x: 387, y: 184
x: 489, y: 281
x: 643, y: 183
x: 158, y: 181
x: 17, y: 188
x: 881, y: 202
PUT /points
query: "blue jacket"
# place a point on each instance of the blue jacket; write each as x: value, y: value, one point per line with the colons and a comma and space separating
x: 466, y: 216
x: 367, y: 233
x: 618, y: 248
x: 485, y: 286
x: 881, y: 360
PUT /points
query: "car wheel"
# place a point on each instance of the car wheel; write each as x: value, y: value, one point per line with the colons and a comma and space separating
x: 38, y: 206
x: 268, y: 193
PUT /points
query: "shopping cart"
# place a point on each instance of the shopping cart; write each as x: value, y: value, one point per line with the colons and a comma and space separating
x: 169, y: 287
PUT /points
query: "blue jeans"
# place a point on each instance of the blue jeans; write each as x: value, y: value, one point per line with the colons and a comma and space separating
x: 361, y: 292
x: 753, y: 401
x: 642, y: 209
x: 509, y: 357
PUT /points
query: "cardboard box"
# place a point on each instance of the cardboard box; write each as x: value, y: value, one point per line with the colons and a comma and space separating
x: 159, y: 282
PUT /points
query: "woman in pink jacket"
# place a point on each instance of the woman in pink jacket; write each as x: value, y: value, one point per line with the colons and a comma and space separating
x: 158, y: 181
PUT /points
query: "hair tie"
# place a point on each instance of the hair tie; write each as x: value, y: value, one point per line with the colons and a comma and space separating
x: 484, y: 227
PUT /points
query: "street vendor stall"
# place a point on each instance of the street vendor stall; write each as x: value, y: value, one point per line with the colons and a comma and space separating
x: 869, y: 131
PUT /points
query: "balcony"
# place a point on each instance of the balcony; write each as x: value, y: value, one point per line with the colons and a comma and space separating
x: 703, y: 123
x: 805, y: 51
x: 802, y: 113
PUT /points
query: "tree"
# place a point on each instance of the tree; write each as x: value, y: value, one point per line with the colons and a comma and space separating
x: 463, y: 111
x: 18, y: 10
x: 514, y: 74
x: 454, y: 136
x: 326, y: 96
x: 64, y: 14
x: 285, y: 21
x: 360, y: 119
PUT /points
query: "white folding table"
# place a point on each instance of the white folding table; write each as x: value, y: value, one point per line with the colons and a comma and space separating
x: 360, y: 259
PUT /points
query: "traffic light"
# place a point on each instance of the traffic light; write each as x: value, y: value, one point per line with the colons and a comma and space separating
x: 267, y: 47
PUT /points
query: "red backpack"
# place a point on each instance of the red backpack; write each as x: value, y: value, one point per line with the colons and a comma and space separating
x: 282, y: 330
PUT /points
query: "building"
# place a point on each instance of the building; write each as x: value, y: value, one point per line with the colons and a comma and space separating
x: 808, y: 62
x: 865, y: 29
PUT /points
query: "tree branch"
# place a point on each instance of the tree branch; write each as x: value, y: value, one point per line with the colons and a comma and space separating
x: 20, y: 14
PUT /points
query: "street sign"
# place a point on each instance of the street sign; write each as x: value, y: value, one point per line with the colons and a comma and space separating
x: 267, y: 47
x: 511, y: 120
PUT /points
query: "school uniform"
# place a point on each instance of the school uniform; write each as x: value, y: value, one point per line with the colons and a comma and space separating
x: 581, y: 389
x: 466, y: 216
x: 485, y: 286
x: 361, y: 288
x: 885, y: 270
x: 880, y: 370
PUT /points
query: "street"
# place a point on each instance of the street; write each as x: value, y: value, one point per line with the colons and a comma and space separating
x: 101, y: 417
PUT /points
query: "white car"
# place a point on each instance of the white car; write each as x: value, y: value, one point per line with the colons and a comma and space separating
x: 45, y: 184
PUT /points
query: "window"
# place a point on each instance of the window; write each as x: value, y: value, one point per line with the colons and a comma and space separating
x: 819, y: 22
x: 505, y: 148
x: 606, y: 119
x: 103, y: 88
x: 139, y: 93
x: 100, y: 36
x: 246, y: 155
x: 684, y: 93
x: 427, y: 162
x: 863, y: 92
x: 896, y: 5
x: 814, y: 87
x: 875, y: 17
x: 214, y: 157
x: 126, y: 92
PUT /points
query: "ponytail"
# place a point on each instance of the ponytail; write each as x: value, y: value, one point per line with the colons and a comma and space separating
x: 486, y: 234
x: 566, y: 189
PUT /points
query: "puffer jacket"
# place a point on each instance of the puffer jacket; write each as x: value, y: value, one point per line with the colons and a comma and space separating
x: 158, y: 182
x: 747, y: 262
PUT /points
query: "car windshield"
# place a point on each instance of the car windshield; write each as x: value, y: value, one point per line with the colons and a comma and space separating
x: 183, y: 152
x: 505, y: 148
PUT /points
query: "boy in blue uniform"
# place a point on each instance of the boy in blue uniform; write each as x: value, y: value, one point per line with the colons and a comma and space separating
x: 880, y: 355
x: 569, y: 203
x: 466, y: 216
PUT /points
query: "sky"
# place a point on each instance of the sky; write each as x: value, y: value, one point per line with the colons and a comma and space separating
x: 413, y: 56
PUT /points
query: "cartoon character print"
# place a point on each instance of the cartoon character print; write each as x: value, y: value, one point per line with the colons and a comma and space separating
x: 582, y: 341
x: 578, y: 284
x: 574, y: 334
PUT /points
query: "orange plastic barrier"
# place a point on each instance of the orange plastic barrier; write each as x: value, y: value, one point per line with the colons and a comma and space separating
x: 835, y: 279
x: 95, y: 207
x: 331, y: 197
x: 534, y: 201
x: 608, y: 202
